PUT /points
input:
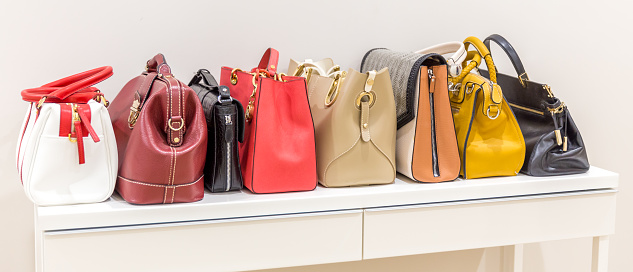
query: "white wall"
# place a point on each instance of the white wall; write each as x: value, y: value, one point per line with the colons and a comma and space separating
x: 581, y: 48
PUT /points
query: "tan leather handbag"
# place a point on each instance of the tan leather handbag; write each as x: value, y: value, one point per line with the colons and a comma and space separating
x: 355, y: 124
x: 426, y: 147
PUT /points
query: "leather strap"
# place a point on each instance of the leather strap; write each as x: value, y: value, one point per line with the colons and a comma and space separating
x: 512, y: 54
x: 158, y: 64
x: 365, y: 105
x: 269, y: 61
x: 175, y: 127
x: 77, y: 85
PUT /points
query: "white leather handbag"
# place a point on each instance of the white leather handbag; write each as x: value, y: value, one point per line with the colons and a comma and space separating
x: 66, y: 152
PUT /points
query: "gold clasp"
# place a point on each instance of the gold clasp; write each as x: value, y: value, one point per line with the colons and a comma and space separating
x: 134, y: 112
x: 234, y: 75
x: 549, y: 91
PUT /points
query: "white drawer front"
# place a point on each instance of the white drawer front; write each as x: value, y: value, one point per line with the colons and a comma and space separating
x: 223, y: 245
x: 409, y: 230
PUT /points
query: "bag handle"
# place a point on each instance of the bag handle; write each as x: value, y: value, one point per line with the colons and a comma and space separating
x: 206, y: 77
x: 475, y: 60
x: 159, y: 65
x: 269, y: 61
x: 71, y: 89
x: 512, y: 54
x: 455, y: 61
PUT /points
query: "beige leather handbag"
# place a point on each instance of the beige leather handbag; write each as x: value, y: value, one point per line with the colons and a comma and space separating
x: 355, y: 123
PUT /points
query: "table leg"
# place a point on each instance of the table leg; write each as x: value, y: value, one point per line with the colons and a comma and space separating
x: 513, y: 258
x: 600, y: 256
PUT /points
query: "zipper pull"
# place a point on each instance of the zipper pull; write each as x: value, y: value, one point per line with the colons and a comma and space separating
x: 431, y: 80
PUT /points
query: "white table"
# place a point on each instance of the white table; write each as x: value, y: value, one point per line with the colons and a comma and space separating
x: 243, y: 231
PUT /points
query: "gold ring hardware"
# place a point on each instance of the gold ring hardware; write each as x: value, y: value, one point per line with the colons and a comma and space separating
x: 279, y: 76
x: 488, y: 112
x: 371, y: 96
x: 332, y: 94
x: 71, y: 139
x: 182, y: 124
x: 234, y: 75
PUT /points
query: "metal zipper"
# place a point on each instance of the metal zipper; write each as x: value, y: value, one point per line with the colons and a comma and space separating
x: 228, y: 166
x: 228, y: 122
x: 526, y: 109
x: 436, y: 167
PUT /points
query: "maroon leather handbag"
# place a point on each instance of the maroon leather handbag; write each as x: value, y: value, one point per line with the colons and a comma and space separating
x: 161, y: 138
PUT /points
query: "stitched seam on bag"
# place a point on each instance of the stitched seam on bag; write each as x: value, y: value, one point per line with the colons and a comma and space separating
x: 336, y: 158
x: 161, y: 186
x: 390, y: 162
x: 173, y: 178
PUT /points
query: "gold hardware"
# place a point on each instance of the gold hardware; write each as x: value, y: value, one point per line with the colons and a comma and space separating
x: 308, y: 72
x: 365, y: 125
x: 549, y: 91
x: 176, y: 140
x: 370, y: 95
x: 299, y: 70
x: 558, y: 109
x: 134, y: 112
x: 559, y: 138
x: 39, y: 103
x: 526, y: 109
x: 278, y: 77
x: 332, y: 94
x: 251, y: 100
x: 71, y: 139
x: 565, y: 144
x: 272, y: 66
x: 182, y: 124
x: 370, y: 81
x: 75, y: 113
x: 234, y: 75
x: 523, y: 82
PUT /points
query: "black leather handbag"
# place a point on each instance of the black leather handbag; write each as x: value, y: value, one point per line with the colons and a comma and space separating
x: 552, y: 141
x: 225, y: 123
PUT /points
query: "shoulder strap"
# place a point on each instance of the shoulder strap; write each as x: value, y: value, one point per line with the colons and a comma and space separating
x: 512, y: 54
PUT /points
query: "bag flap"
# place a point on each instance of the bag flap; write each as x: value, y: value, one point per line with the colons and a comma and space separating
x: 404, y: 69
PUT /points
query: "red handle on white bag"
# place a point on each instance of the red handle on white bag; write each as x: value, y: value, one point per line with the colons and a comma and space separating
x: 73, y: 89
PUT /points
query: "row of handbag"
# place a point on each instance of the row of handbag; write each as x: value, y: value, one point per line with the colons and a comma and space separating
x: 419, y: 114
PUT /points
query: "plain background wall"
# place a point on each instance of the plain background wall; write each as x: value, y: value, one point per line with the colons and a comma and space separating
x: 580, y: 48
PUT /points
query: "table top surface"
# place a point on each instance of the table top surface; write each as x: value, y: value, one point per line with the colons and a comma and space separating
x: 117, y: 212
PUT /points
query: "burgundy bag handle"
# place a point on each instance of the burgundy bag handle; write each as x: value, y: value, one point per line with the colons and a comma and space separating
x: 269, y: 61
x: 75, y: 88
x: 159, y: 65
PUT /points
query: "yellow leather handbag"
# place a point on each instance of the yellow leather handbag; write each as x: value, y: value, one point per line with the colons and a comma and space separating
x: 488, y: 135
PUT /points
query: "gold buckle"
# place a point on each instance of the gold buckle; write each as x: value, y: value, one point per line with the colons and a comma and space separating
x: 182, y: 124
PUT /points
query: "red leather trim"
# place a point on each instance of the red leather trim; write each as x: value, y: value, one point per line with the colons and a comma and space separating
x: 137, y: 192
x: 80, y: 142
x: 84, y: 115
x: 65, y: 119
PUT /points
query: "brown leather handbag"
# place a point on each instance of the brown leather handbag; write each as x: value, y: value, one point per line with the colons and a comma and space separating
x: 161, y: 138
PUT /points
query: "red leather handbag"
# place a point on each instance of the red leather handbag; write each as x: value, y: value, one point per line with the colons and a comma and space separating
x: 161, y: 137
x: 278, y: 152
